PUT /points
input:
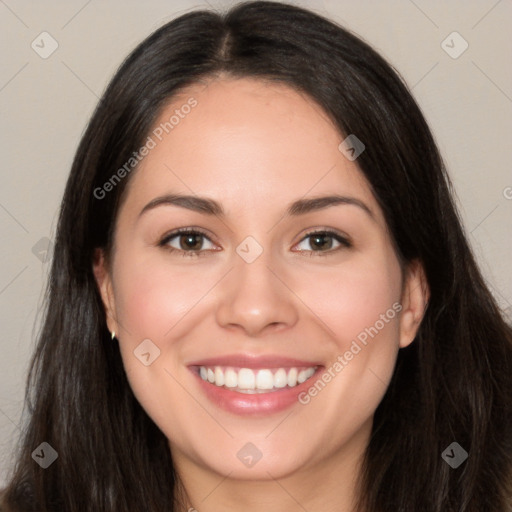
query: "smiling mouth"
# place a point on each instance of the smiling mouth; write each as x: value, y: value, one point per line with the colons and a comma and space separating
x: 255, y: 381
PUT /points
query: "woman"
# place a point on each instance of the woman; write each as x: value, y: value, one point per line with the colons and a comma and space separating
x: 261, y: 296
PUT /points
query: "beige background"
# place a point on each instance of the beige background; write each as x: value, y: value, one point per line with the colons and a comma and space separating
x: 45, y: 104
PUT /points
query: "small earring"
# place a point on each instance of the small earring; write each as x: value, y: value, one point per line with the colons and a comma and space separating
x: 113, y: 334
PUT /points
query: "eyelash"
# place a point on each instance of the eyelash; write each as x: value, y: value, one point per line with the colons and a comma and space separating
x: 345, y: 242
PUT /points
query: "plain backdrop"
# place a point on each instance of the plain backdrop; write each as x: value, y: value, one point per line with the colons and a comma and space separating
x: 45, y: 104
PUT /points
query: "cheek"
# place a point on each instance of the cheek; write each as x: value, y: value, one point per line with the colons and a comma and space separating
x: 360, y: 305
x: 356, y: 296
x: 152, y: 296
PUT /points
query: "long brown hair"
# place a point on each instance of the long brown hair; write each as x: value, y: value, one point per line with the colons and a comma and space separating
x: 452, y: 384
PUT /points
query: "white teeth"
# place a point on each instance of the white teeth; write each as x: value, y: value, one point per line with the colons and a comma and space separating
x: 246, y: 380
x: 301, y: 377
x: 304, y: 375
x: 280, y: 380
x: 264, y: 379
x: 219, y: 376
x: 230, y: 378
x: 292, y: 377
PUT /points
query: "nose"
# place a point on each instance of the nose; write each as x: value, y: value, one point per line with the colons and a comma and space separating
x: 256, y: 298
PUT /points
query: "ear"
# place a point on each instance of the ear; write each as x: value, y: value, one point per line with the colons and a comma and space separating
x: 104, y: 282
x: 415, y: 296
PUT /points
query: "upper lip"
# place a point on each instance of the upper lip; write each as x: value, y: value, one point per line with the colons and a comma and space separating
x: 253, y: 361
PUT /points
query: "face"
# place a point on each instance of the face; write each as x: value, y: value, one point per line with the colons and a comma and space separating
x: 269, y: 326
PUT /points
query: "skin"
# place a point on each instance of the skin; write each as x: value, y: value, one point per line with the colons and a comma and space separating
x: 255, y: 147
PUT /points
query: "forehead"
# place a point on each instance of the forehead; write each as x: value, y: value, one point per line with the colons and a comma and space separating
x: 246, y: 140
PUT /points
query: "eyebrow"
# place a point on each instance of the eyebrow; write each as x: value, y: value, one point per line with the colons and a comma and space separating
x: 211, y: 207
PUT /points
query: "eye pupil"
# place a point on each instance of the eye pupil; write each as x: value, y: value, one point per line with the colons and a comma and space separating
x: 321, y: 236
x: 193, y: 238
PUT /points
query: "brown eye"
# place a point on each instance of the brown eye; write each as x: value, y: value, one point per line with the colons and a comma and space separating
x: 324, y: 241
x: 189, y: 242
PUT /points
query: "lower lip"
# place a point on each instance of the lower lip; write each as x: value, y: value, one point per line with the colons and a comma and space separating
x: 254, y: 404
